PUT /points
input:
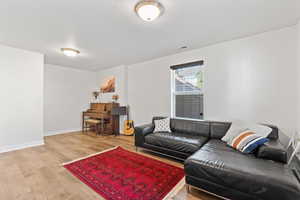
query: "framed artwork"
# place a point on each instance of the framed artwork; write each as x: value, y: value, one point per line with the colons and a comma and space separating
x: 109, y: 85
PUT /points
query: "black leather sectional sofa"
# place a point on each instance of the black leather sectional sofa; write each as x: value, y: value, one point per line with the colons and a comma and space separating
x: 211, y: 165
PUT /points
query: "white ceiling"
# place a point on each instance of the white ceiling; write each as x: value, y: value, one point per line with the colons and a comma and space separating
x: 108, y: 33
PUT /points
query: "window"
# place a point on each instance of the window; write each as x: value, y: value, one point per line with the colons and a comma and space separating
x: 187, y: 90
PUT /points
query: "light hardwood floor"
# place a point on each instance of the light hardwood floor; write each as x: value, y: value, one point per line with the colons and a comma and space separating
x: 36, y: 173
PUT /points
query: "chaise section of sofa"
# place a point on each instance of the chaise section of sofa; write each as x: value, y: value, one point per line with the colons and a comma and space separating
x: 222, y: 170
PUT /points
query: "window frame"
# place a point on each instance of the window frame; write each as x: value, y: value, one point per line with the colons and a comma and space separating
x: 174, y: 93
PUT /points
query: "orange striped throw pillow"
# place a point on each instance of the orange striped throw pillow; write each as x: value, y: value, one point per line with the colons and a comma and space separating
x: 247, y: 141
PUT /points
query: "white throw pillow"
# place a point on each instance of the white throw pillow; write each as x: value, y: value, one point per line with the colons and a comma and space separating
x: 239, y: 126
x: 162, y: 125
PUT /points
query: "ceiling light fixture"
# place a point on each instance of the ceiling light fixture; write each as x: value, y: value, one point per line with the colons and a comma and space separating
x: 149, y: 10
x: 70, y: 52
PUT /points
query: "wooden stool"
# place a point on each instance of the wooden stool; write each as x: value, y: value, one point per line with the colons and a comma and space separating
x: 93, y: 123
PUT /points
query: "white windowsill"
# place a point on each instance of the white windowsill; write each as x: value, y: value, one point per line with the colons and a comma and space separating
x: 190, y: 119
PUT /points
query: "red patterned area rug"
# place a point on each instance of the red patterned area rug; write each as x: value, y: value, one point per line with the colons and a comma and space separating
x: 118, y: 174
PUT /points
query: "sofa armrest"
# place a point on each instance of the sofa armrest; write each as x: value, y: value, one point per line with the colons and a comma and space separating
x: 273, y: 150
x: 140, y: 132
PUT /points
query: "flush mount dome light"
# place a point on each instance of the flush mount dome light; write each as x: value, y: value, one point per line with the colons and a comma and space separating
x: 70, y: 52
x: 149, y: 10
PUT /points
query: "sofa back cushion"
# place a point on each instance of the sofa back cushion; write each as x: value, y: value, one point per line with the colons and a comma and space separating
x: 212, y: 129
x: 192, y: 127
x: 219, y: 129
x: 274, y: 134
x: 273, y: 150
x: 157, y: 118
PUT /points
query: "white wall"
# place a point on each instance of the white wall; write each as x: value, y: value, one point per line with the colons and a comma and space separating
x: 67, y: 93
x: 21, y: 86
x: 254, y: 79
x: 298, y: 78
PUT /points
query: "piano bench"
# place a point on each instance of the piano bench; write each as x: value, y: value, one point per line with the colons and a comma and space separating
x: 98, y: 124
x: 92, y: 121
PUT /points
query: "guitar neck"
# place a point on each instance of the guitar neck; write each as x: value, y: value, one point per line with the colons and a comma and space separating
x: 127, y: 112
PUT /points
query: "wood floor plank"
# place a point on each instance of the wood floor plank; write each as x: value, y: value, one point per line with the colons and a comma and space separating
x: 37, y: 174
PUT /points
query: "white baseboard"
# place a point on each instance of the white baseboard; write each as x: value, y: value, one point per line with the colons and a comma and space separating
x: 49, y: 133
x: 8, y: 148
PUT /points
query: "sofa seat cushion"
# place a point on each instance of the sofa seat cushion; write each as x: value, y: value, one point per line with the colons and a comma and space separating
x: 219, y: 164
x: 181, y: 142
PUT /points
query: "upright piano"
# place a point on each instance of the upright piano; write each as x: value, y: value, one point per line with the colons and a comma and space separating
x: 103, y: 111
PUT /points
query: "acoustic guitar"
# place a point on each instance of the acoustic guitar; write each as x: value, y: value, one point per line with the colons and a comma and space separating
x: 128, y: 125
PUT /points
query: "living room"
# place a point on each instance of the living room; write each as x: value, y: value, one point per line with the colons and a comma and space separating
x: 86, y: 84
